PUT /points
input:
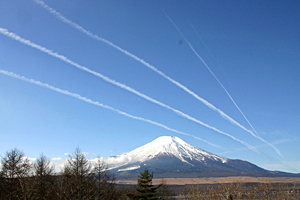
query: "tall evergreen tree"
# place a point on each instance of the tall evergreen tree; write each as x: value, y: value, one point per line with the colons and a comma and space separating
x: 146, y: 190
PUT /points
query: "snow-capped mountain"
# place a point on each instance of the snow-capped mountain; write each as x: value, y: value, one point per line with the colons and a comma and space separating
x: 170, y: 156
x: 164, y: 146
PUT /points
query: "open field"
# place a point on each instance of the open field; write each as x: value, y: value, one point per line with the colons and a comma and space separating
x: 216, y: 180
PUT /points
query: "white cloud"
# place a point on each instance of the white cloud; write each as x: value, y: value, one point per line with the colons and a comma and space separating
x: 117, y: 160
x: 31, y: 160
x: 57, y: 158
x: 281, y: 141
x: 96, y: 159
x: 85, y: 153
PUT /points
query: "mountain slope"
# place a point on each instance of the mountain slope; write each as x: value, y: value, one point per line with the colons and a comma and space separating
x: 164, y: 146
x: 170, y: 156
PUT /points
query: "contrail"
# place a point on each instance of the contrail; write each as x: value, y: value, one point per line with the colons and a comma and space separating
x: 96, y: 37
x: 77, y: 96
x: 196, y: 53
x: 209, y: 67
x: 65, y: 59
x: 202, y: 40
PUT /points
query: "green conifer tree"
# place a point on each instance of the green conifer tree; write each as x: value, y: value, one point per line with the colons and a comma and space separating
x: 146, y: 190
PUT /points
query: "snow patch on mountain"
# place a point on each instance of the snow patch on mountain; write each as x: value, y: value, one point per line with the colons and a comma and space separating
x: 164, y: 146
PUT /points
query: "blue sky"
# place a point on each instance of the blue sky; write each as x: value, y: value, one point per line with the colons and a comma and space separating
x: 251, y: 47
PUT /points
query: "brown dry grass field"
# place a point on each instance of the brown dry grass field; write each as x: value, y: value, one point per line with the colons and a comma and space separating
x: 216, y: 180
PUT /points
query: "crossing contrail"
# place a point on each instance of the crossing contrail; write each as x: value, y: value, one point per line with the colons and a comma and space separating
x: 65, y: 59
x: 190, y: 45
x: 196, y: 53
x: 77, y: 96
x: 201, y: 59
x: 202, y: 40
x: 96, y: 37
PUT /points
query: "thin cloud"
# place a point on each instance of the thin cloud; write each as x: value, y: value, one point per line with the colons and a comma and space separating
x: 282, y: 166
x: 96, y: 37
x: 65, y: 59
x: 222, y: 113
x: 31, y: 160
x: 77, y: 96
x: 56, y: 159
x: 281, y: 141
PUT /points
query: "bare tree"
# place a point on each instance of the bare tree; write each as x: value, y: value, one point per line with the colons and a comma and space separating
x: 165, y: 191
x: 15, y: 170
x: 231, y: 191
x: 105, y: 182
x: 193, y: 192
x: 77, y: 179
x: 2, y: 185
x: 43, y: 186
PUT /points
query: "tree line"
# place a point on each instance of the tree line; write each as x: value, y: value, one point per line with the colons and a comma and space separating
x: 78, y: 179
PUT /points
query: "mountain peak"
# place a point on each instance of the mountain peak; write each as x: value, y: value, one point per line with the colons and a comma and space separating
x: 174, y: 146
x: 165, y: 141
x: 165, y: 146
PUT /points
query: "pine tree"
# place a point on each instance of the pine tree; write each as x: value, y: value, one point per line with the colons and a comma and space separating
x: 146, y: 190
